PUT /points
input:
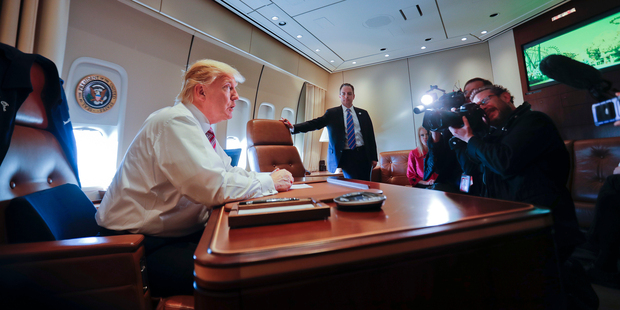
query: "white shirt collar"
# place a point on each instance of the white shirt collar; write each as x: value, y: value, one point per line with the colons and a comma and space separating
x: 202, y: 119
x: 344, y: 109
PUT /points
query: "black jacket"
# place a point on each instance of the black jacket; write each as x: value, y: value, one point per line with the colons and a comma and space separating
x: 333, y: 119
x: 15, y: 87
x: 527, y: 161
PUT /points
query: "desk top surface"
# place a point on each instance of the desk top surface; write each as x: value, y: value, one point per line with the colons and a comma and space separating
x: 407, y: 213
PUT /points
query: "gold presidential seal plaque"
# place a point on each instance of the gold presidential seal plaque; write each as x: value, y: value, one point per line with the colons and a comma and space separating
x: 95, y: 93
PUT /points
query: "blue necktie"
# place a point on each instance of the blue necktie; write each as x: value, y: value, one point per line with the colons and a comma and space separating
x: 350, y: 130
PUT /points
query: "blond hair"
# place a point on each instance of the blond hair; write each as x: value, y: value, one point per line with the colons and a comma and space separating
x: 205, y: 71
x: 423, y: 149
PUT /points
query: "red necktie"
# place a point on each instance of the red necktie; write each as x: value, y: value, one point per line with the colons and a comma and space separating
x: 211, y: 135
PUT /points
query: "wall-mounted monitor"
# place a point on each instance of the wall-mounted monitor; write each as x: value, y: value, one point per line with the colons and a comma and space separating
x: 595, y: 42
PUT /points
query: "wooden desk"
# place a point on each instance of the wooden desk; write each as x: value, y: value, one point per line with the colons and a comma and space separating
x: 424, y: 249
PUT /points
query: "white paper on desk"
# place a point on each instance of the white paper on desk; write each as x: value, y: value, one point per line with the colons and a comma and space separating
x: 275, y: 209
x: 347, y: 183
x: 300, y: 186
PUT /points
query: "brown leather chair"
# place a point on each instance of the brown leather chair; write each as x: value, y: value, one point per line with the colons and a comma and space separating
x: 270, y: 146
x: 88, y: 272
x: 392, y: 168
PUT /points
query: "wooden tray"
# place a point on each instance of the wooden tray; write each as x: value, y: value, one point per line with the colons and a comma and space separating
x: 276, y: 213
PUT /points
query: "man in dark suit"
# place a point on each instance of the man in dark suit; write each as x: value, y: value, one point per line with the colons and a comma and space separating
x: 352, y: 145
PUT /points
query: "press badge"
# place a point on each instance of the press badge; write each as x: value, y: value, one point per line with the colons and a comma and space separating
x: 466, y: 182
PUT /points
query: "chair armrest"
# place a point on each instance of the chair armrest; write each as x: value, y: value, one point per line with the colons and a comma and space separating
x: 375, y: 175
x: 84, y: 273
x: 70, y: 248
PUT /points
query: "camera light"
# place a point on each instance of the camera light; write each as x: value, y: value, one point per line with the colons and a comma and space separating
x: 427, y: 99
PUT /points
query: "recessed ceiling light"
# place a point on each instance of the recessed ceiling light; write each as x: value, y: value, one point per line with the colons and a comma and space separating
x: 387, y: 55
x: 282, y: 23
x: 484, y: 32
x: 317, y: 50
x: 383, y: 49
x: 299, y: 36
x: 274, y: 18
x: 331, y: 61
x: 354, y: 62
x: 494, y: 14
x: 464, y: 39
x: 423, y: 47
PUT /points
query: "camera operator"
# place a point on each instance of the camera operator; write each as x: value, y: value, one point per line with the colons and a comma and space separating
x: 522, y: 158
x: 441, y: 159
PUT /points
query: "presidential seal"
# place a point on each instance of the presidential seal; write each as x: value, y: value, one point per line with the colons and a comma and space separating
x: 95, y: 93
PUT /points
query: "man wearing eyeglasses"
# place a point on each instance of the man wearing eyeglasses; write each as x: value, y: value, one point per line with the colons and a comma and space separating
x: 522, y: 158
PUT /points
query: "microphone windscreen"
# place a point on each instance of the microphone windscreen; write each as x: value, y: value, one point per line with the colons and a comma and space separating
x: 570, y: 72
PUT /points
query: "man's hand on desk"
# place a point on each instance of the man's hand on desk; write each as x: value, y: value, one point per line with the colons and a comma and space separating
x: 282, y: 179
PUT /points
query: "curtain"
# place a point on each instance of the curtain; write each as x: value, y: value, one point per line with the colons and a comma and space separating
x: 38, y: 27
x: 315, y: 107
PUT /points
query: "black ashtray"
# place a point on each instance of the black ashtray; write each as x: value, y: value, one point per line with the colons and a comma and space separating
x: 360, y: 201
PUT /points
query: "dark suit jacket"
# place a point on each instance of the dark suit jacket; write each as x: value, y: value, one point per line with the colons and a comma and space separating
x: 333, y: 119
x: 15, y: 86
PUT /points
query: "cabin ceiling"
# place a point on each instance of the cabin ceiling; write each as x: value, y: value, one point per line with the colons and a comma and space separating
x: 341, y: 35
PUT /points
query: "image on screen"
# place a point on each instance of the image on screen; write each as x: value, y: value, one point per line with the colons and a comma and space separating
x: 596, y: 43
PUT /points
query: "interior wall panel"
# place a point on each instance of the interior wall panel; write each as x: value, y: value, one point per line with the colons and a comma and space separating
x: 213, y: 19
x: 505, y: 66
x: 383, y: 91
x: 152, y: 52
x: 274, y: 52
x: 280, y: 89
x: 311, y: 73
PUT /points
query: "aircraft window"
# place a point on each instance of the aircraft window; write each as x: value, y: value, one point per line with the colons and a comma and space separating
x: 289, y: 114
x: 96, y: 156
x: 236, y: 127
x: 266, y: 111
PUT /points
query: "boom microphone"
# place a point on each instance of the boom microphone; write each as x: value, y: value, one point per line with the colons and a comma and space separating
x: 576, y: 74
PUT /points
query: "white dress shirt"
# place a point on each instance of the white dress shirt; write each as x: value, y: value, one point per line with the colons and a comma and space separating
x: 171, y: 177
x: 359, y: 140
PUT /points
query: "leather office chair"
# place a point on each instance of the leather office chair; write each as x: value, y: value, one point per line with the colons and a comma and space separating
x: 50, y: 256
x: 270, y: 146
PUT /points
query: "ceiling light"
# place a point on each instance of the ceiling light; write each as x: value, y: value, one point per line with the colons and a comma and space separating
x: 423, y: 47
x: 331, y: 61
x: 274, y: 18
x: 464, y: 39
x: 299, y: 36
x: 387, y: 55
x: 317, y: 50
x: 282, y: 23
x: 494, y: 14
x: 484, y: 32
x: 354, y: 62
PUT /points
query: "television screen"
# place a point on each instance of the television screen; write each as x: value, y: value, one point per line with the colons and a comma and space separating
x: 595, y: 42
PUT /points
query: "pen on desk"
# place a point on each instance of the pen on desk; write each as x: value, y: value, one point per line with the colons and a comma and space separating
x: 267, y: 201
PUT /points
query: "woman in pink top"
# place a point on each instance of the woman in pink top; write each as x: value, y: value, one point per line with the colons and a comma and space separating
x: 415, y: 168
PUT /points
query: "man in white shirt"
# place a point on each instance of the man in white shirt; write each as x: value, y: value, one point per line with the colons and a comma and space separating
x: 175, y: 172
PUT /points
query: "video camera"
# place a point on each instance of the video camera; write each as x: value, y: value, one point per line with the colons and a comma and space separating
x: 582, y: 76
x: 438, y: 115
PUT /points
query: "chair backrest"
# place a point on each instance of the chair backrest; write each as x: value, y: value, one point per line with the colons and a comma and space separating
x: 234, y: 156
x: 35, y: 160
x: 270, y: 146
